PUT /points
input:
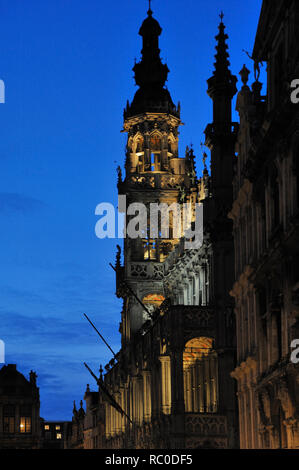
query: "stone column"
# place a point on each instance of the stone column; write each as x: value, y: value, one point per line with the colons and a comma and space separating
x: 253, y: 411
x: 214, y: 381
x: 272, y: 439
x: 108, y: 420
x: 201, y: 375
x: 177, y: 404
x: 123, y: 405
x: 166, y: 384
x: 242, y: 414
x: 197, y: 289
x: 195, y: 388
x: 147, y: 396
x: 140, y: 398
x: 117, y: 414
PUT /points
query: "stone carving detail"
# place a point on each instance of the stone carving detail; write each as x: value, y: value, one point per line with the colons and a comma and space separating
x: 139, y: 270
x: 142, y: 181
x: 265, y: 407
x: 153, y: 271
x: 201, y: 318
x: 207, y: 425
x: 171, y: 182
x: 158, y: 271
x: 284, y: 397
x: 206, y: 443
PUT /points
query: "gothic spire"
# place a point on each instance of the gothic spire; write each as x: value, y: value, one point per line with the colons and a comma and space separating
x: 222, y: 77
x: 150, y: 74
x: 222, y: 63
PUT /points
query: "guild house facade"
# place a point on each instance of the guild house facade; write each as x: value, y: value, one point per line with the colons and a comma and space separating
x: 265, y: 214
x: 206, y: 332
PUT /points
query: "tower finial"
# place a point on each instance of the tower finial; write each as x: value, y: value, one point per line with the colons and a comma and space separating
x: 149, y: 7
x: 222, y: 73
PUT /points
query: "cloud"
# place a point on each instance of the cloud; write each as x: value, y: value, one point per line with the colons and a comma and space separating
x: 55, y: 348
x: 13, y: 202
x: 52, y: 335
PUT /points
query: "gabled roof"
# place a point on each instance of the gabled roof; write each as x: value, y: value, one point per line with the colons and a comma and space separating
x: 13, y: 382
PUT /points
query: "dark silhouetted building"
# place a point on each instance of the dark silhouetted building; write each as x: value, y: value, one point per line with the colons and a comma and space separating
x: 265, y: 214
x: 54, y: 434
x: 19, y: 410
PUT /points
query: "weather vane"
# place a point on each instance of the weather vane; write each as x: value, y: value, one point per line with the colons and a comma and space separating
x: 221, y: 16
x: 149, y: 4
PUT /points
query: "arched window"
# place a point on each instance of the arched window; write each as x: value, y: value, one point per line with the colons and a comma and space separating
x: 200, y: 376
x: 153, y: 299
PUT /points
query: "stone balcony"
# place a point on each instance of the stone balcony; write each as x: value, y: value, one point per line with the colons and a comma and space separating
x: 145, y: 271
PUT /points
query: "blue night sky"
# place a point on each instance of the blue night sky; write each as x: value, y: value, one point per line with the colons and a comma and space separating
x: 67, y: 67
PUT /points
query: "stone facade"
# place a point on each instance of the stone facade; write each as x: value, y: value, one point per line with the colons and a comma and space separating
x: 265, y: 216
x: 206, y: 327
x: 172, y: 374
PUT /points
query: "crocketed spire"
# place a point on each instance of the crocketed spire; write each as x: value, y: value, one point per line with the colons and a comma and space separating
x: 222, y: 63
x: 222, y: 78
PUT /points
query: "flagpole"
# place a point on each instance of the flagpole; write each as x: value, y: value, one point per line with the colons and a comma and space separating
x: 102, y: 338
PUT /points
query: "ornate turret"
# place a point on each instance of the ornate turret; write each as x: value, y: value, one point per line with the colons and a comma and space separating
x: 221, y: 134
x: 151, y: 75
x: 154, y: 173
x: 222, y: 81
